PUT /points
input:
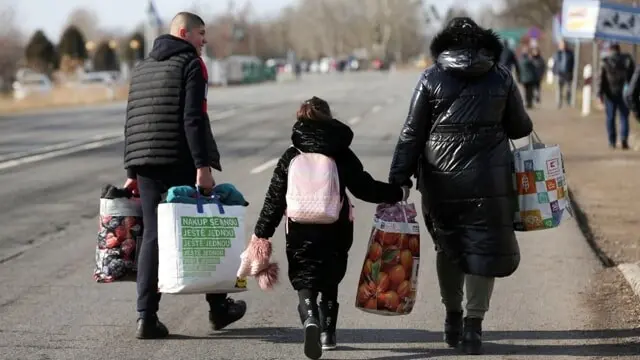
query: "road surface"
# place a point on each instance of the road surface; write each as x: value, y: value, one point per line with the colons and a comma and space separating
x: 50, y: 308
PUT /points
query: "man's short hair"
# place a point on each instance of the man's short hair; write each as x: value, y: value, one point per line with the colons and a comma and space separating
x: 187, y: 20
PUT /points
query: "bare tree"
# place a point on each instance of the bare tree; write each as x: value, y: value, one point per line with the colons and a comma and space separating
x: 530, y: 12
x: 315, y: 28
x: 87, y: 22
x: 11, y: 47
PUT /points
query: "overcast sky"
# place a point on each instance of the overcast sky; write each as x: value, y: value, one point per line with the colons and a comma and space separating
x: 51, y: 15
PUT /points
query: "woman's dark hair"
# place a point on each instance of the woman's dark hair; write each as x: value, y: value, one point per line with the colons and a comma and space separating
x: 314, y: 109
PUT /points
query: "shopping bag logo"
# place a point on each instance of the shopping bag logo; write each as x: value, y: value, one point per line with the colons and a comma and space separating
x: 532, y: 219
x: 528, y: 165
x: 553, y: 167
x: 526, y: 183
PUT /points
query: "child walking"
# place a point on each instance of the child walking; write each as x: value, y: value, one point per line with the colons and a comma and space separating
x: 317, y: 251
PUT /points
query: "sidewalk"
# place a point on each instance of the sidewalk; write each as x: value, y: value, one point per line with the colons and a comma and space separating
x: 604, y: 187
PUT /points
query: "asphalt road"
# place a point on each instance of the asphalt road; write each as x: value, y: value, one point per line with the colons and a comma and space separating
x: 50, y: 308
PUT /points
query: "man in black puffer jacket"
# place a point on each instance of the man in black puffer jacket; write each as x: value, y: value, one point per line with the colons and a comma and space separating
x: 169, y: 142
x: 463, y: 112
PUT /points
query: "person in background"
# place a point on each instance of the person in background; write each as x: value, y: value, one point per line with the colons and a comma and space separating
x: 540, y: 66
x: 170, y: 143
x: 509, y: 59
x: 528, y: 75
x: 563, y: 62
x: 615, y: 74
x: 632, y: 95
x: 455, y: 141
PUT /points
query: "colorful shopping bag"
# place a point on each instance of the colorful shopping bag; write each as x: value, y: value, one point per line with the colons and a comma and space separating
x: 119, y: 236
x: 389, y: 276
x: 541, y: 184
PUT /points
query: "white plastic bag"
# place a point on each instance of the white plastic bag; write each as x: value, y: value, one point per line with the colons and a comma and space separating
x: 199, y: 247
x: 541, y: 184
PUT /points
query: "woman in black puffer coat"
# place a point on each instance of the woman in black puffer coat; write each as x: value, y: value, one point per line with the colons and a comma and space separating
x: 464, y: 110
x: 317, y: 253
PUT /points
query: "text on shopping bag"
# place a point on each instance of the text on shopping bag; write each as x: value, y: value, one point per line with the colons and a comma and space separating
x: 204, y: 241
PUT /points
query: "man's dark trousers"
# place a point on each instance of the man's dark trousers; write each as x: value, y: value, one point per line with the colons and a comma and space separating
x: 153, y: 182
x: 613, y: 106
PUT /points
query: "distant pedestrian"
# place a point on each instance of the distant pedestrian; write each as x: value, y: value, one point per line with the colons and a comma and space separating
x: 563, y: 63
x: 541, y: 67
x: 615, y: 75
x: 509, y: 59
x: 529, y: 77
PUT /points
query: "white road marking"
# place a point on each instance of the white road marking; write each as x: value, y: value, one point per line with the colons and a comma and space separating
x: 62, y: 152
x: 60, y: 146
x: 376, y: 109
x: 354, y: 120
x: 266, y: 165
x: 71, y: 147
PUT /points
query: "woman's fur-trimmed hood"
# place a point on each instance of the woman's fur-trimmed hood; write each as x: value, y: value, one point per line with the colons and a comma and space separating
x: 468, y: 49
x: 459, y: 39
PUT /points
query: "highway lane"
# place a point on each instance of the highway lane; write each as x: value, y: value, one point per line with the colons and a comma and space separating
x: 43, y: 129
x: 51, y: 309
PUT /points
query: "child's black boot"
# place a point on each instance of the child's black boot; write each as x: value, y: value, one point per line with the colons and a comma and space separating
x: 309, y: 314
x: 328, y: 321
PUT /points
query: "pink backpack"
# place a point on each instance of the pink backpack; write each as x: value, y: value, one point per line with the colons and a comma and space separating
x: 313, y: 189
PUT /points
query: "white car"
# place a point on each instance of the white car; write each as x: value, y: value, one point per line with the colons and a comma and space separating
x: 31, y: 84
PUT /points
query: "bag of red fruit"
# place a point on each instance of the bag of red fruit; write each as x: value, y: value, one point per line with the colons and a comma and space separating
x: 389, y: 277
x: 119, y: 236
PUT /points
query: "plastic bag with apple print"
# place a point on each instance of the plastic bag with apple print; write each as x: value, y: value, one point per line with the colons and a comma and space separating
x: 389, y: 276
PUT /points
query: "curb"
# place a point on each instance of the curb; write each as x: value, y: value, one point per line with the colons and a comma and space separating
x: 631, y: 273
x: 585, y: 228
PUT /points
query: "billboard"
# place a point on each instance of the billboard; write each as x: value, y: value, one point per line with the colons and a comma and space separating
x: 618, y: 23
x: 579, y: 18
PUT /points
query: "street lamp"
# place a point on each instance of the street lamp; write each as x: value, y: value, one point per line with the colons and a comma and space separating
x: 90, y: 45
x: 113, y: 44
x: 134, y: 44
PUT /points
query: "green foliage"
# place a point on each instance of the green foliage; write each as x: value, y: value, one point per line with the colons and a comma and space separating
x: 131, y: 55
x: 72, y: 44
x: 105, y: 58
x: 40, y: 53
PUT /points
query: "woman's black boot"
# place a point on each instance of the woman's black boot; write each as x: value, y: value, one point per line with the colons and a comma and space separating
x: 453, y: 328
x: 472, y: 337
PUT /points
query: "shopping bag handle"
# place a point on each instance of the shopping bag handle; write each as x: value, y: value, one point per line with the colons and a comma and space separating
x: 200, y: 201
x: 403, y: 204
x: 533, y: 139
